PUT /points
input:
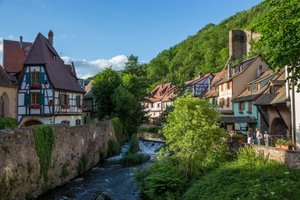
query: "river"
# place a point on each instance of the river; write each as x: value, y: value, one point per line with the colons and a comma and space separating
x: 110, y: 177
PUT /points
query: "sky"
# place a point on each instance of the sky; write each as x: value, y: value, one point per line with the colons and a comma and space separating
x: 95, y: 34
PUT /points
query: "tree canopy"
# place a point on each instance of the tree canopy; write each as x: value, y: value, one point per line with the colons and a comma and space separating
x: 192, y: 133
x: 280, y: 41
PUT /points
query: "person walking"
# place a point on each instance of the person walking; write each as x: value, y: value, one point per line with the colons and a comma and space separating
x: 267, y: 137
x: 259, y: 136
x: 249, y: 136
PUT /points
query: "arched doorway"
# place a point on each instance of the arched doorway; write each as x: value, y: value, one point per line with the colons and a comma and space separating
x: 4, y: 106
x: 31, y: 122
x: 278, y: 127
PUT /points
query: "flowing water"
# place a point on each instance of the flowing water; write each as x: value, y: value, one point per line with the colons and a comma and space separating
x: 111, y: 178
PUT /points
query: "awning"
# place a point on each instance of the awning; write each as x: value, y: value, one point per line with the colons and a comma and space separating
x: 232, y: 119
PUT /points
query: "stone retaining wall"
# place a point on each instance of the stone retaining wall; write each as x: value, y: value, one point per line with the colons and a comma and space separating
x: 19, y: 163
x: 291, y: 158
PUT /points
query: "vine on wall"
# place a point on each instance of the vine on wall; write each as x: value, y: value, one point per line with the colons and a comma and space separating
x: 44, y: 144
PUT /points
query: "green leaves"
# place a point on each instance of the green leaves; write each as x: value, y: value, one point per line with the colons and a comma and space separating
x: 192, y: 134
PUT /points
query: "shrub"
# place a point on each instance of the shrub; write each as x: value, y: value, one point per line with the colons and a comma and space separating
x: 151, y: 129
x: 133, y: 159
x: 249, y: 177
x: 133, y: 145
x: 162, y: 180
x: 113, y: 148
x: 82, y: 164
x: 7, y: 123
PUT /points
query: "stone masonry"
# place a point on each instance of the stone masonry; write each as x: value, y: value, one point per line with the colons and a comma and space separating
x: 19, y: 163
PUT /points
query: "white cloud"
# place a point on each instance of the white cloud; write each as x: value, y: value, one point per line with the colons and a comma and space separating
x: 1, y: 45
x: 87, y: 69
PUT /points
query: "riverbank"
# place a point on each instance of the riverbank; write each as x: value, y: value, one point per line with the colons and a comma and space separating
x: 110, y: 178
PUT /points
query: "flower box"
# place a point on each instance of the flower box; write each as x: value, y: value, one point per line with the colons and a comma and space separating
x: 35, y: 86
x: 65, y: 106
x: 35, y: 106
x: 283, y: 144
x: 81, y: 106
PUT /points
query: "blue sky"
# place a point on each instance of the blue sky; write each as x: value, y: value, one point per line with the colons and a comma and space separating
x: 99, y: 33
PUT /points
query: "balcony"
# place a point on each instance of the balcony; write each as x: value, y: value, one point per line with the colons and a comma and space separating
x: 65, y: 106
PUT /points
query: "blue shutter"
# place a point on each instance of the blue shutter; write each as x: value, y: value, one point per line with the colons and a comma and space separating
x: 27, y: 99
x: 42, y: 78
x: 27, y: 77
x: 42, y: 99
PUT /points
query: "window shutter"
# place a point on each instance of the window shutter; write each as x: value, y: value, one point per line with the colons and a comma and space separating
x: 42, y: 99
x: 78, y: 99
x: 27, y: 99
x: 27, y: 78
x: 42, y: 78
x: 67, y: 99
x: 61, y: 99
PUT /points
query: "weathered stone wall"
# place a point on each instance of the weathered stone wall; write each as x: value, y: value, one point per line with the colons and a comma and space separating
x: 19, y: 163
x: 289, y: 158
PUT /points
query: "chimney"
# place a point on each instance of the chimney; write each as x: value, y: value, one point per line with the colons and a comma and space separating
x: 200, y: 74
x: 50, y: 37
x: 21, y: 42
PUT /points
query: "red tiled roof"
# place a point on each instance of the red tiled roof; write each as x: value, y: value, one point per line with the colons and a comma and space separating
x: 163, y: 92
x: 43, y: 53
x: 6, y: 80
x: 14, y: 55
x: 219, y: 76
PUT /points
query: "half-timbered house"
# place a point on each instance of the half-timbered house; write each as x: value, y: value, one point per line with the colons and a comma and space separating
x: 199, y: 85
x: 48, y: 89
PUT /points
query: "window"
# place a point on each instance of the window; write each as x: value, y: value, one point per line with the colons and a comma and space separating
x: 35, y: 98
x: 78, y: 122
x: 158, y: 105
x: 221, y: 102
x: 228, y: 85
x: 34, y: 77
x: 64, y: 99
x: 249, y: 107
x: 78, y: 100
x: 249, y: 88
x: 241, y: 106
x: 66, y: 122
x: 257, y: 86
x: 222, y: 87
x: 227, y: 102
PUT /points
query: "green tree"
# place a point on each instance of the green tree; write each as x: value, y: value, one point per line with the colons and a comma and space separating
x: 136, y: 85
x: 193, y: 136
x: 133, y: 67
x: 104, y: 86
x: 128, y: 109
x: 280, y: 41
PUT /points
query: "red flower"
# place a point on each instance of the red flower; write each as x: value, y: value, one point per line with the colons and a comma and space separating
x: 35, y: 106
x: 65, y: 106
x: 35, y: 86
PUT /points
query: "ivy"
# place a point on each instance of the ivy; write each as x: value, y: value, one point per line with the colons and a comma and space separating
x: 44, y: 143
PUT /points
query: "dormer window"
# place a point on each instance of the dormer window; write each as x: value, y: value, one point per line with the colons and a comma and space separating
x: 257, y: 86
x: 249, y: 88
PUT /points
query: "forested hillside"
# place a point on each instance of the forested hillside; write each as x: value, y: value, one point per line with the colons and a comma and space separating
x: 206, y: 51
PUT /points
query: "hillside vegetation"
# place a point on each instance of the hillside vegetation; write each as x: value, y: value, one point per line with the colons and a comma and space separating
x: 206, y: 51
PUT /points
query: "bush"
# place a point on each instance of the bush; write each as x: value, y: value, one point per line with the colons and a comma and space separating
x: 133, y: 145
x: 162, y: 180
x: 249, y: 177
x: 133, y: 159
x: 113, y: 148
x: 7, y: 123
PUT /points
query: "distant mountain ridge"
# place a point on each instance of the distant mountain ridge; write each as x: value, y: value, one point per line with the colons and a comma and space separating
x: 206, y: 51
